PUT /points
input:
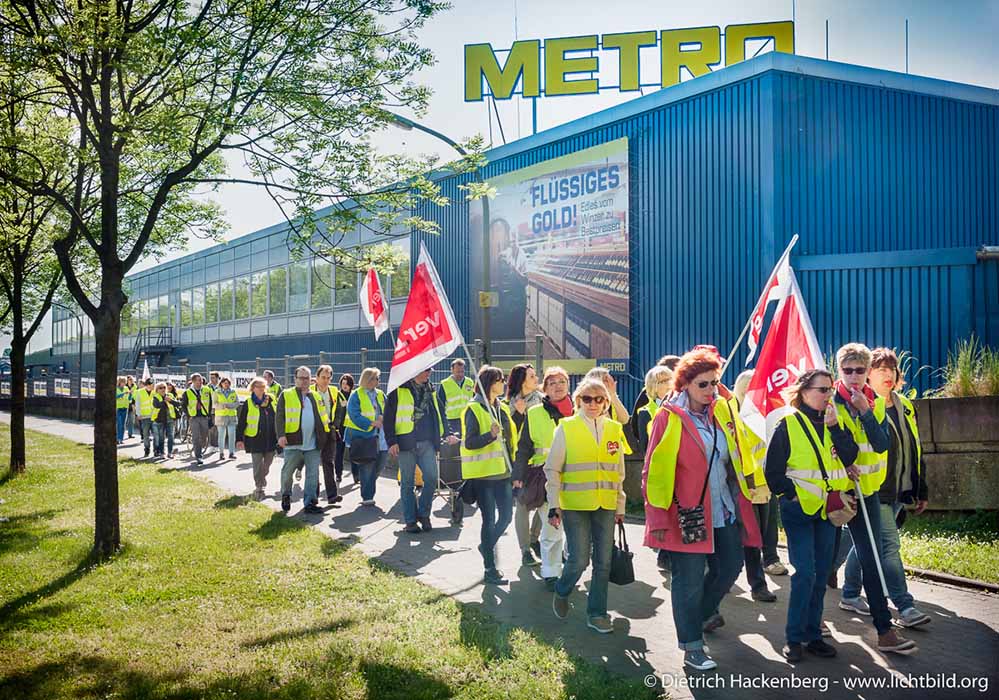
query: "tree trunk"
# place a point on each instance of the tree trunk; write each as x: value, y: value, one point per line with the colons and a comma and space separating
x: 107, y: 533
x: 17, y: 382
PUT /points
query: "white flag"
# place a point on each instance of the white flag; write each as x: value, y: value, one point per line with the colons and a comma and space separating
x: 145, y: 370
x: 373, y: 303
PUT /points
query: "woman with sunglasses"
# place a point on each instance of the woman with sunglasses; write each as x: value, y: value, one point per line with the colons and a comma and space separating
x: 585, y: 472
x: 694, y: 465
x: 863, y: 414
x: 801, y: 467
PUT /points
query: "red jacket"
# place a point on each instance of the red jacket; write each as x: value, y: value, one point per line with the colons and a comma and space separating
x: 691, y: 471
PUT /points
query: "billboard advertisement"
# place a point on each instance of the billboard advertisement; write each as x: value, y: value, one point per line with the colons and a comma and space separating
x: 558, y: 255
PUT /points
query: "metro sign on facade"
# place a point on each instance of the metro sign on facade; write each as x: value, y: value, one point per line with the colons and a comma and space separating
x: 697, y: 49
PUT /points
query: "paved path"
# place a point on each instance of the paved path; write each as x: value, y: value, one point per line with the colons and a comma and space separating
x: 961, y: 640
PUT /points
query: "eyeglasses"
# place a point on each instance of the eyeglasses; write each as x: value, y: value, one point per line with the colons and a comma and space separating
x: 704, y: 384
x: 853, y: 370
x: 592, y: 399
x: 820, y: 389
x: 303, y: 376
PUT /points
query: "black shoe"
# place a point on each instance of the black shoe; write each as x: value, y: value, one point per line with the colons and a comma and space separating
x: 285, y: 503
x: 337, y: 499
x: 821, y: 648
x: 831, y: 581
x: 494, y: 577
x: 145, y: 453
x: 792, y: 652
x: 662, y: 560
x: 763, y: 595
x: 527, y: 558
x: 313, y: 509
x: 200, y: 462
x: 425, y: 524
x: 536, y: 548
x: 413, y: 529
x: 550, y: 583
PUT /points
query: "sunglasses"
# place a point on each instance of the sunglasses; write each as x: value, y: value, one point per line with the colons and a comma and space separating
x: 592, y: 399
x: 853, y: 370
x: 820, y: 389
x: 704, y: 384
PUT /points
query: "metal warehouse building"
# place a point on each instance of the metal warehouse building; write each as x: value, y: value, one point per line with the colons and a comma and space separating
x: 890, y: 180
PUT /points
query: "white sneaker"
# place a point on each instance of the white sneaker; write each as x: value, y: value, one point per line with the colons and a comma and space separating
x: 699, y: 661
x: 298, y: 475
x: 776, y: 569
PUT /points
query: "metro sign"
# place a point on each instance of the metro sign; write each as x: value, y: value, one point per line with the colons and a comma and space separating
x: 698, y: 49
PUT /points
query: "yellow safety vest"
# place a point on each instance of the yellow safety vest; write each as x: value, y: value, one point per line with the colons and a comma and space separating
x: 405, y: 407
x: 738, y: 449
x: 334, y: 395
x: 542, y: 428
x: 293, y: 411
x: 873, y: 466
x: 614, y: 417
x: 192, y: 403
x: 590, y: 476
x: 220, y: 398
x: 458, y: 397
x: 144, y: 403
x: 803, y: 469
x: 661, y: 479
x: 367, y: 410
x: 488, y: 460
x: 274, y: 390
x: 910, y: 419
x: 252, y: 419
x: 121, y: 397
x: 158, y: 403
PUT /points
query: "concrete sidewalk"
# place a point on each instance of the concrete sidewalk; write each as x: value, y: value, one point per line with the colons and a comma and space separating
x: 960, y: 646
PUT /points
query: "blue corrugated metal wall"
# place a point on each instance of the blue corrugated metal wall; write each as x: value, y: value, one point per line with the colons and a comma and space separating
x: 891, y: 193
x: 722, y: 180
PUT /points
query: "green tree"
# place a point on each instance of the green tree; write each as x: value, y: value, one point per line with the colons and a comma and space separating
x: 158, y: 91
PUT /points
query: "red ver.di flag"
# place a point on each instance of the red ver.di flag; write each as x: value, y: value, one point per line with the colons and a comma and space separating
x: 373, y: 303
x: 790, y: 348
x: 428, y: 332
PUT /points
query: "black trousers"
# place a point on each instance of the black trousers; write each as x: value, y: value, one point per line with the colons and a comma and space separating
x: 338, y: 458
x: 327, y: 458
x: 756, y: 558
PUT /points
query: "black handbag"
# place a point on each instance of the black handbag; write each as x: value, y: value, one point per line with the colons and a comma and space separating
x: 622, y: 568
x: 363, y: 449
x: 693, y: 527
x: 533, y: 495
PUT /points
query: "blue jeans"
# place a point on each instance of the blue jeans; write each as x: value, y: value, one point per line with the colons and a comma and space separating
x: 889, y: 548
x: 146, y: 431
x: 810, y: 541
x: 495, y: 497
x: 368, y: 475
x: 227, y: 433
x: 589, y: 535
x: 120, y: 415
x: 130, y: 422
x: 696, y: 594
x: 293, y: 459
x: 162, y: 433
x: 425, y: 456
x: 863, y: 555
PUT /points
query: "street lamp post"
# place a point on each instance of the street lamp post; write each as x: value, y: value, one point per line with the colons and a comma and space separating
x: 79, y: 362
x: 409, y: 124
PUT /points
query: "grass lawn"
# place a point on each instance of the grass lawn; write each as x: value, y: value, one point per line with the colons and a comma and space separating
x: 965, y: 545
x: 213, y: 597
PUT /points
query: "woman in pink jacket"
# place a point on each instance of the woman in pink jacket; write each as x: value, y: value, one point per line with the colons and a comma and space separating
x: 697, y: 504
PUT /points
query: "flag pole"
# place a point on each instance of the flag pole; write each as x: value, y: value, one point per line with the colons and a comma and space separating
x: 745, y: 329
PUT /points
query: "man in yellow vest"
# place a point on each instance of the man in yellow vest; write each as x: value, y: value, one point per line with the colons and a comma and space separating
x: 132, y: 387
x: 329, y: 399
x: 122, y: 397
x: 414, y: 428
x: 144, y: 413
x: 862, y: 414
x: 302, y: 428
x: 198, y: 405
x: 273, y: 388
x: 454, y: 394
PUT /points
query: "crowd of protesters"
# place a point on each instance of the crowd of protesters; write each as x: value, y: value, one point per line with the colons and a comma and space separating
x: 844, y: 462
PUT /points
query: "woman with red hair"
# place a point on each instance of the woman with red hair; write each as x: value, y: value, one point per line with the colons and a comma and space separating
x: 697, y: 504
